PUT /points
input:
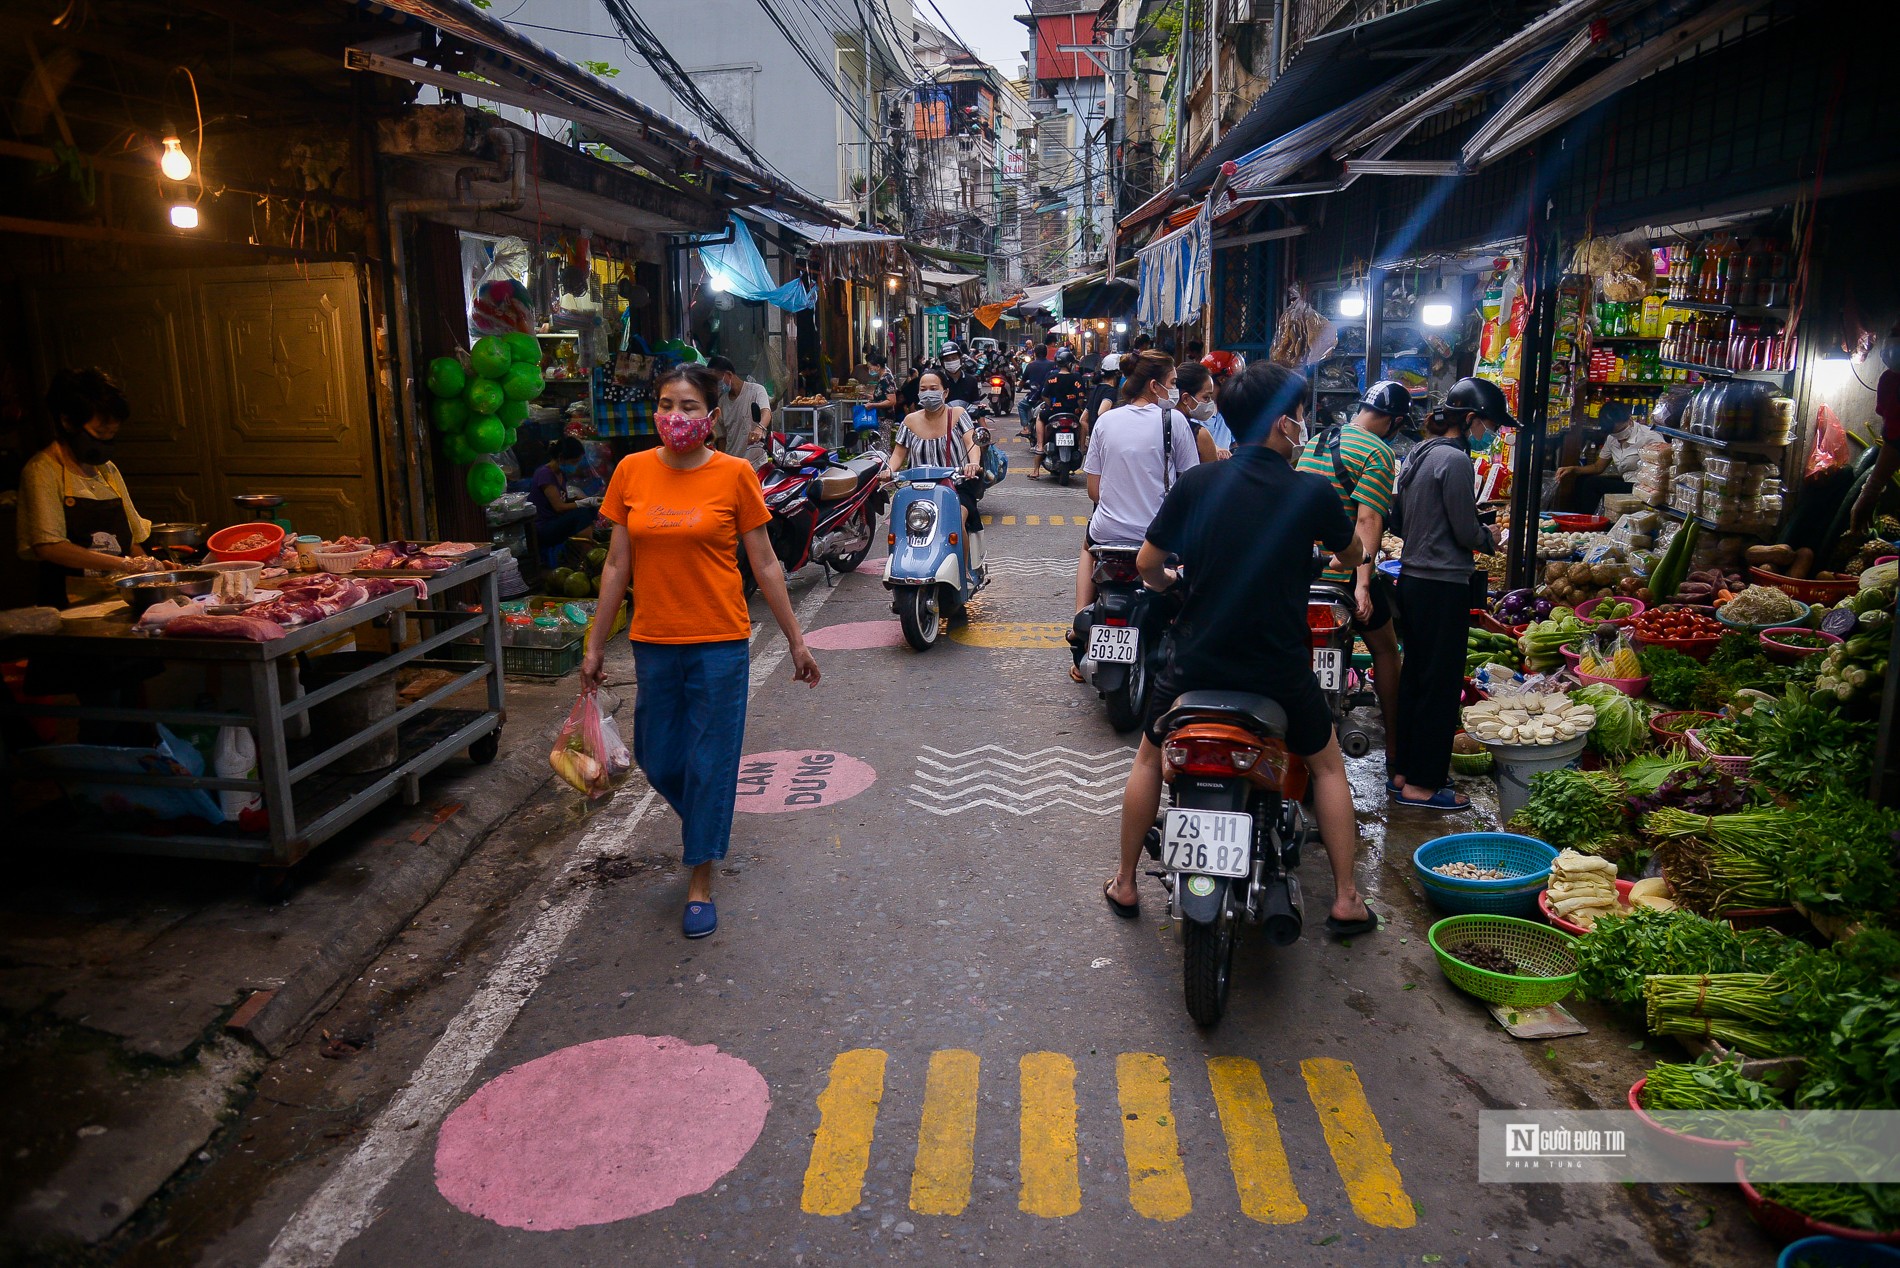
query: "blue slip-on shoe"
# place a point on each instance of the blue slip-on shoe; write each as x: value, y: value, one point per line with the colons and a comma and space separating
x: 1445, y: 799
x: 700, y: 920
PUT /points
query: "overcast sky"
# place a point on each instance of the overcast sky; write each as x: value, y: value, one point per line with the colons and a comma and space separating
x: 989, y: 27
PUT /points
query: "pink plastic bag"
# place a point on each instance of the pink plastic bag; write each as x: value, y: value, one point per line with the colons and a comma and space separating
x: 579, y: 755
x: 1830, y: 444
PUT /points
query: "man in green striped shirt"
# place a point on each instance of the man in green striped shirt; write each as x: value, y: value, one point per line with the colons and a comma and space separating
x: 1359, y: 462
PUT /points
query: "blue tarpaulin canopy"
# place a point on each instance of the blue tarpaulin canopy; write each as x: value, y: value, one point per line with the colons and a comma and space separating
x: 738, y: 269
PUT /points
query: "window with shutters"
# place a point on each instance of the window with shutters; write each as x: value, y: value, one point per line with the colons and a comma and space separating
x: 1055, y: 160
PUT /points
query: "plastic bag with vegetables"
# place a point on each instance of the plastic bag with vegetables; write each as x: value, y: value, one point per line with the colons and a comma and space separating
x: 579, y: 755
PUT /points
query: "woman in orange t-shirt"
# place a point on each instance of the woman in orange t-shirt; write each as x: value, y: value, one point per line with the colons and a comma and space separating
x: 680, y: 514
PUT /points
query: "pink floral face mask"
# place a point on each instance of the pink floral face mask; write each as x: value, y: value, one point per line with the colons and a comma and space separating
x: 682, y: 434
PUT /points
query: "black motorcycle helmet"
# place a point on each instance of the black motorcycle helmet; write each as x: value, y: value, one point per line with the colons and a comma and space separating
x: 1065, y: 357
x: 1479, y: 396
x: 1388, y: 397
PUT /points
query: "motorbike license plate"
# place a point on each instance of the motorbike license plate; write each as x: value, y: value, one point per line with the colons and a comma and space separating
x: 1114, y: 644
x: 1211, y: 842
x: 1328, y: 663
x: 1065, y: 441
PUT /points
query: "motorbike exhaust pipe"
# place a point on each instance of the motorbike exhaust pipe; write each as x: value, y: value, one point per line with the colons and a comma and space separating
x: 1284, y: 918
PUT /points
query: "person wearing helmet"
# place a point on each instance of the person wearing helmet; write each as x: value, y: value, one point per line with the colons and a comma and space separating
x: 1106, y: 392
x: 1357, y: 459
x: 1035, y: 378
x: 1066, y: 393
x: 1223, y: 365
x: 1439, y: 518
x: 961, y: 381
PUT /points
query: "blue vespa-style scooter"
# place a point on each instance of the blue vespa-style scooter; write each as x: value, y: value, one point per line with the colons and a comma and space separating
x: 929, y: 578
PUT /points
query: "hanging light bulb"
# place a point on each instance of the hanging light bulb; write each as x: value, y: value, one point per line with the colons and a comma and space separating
x: 1352, y: 302
x: 174, y: 162
x: 877, y: 323
x: 718, y: 282
x: 1436, y: 310
x: 184, y: 215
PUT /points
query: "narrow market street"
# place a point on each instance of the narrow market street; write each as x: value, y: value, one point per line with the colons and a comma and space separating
x: 918, y: 1034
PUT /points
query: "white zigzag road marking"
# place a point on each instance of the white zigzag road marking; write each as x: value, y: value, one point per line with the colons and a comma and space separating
x: 1030, y: 567
x: 1025, y: 768
x: 1085, y: 779
x: 1093, y: 792
x: 1018, y: 811
x: 1041, y: 752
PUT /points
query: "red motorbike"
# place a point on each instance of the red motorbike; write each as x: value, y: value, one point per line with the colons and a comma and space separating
x: 824, y: 506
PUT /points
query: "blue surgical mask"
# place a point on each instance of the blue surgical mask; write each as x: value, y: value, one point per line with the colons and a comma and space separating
x: 570, y: 467
x: 1480, y: 439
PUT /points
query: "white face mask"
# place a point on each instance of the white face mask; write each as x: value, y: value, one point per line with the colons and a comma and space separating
x: 1174, y: 397
x: 1300, y: 442
x: 953, y: 364
x: 1204, y: 411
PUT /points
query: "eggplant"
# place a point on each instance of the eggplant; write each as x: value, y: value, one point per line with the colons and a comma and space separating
x: 1542, y: 608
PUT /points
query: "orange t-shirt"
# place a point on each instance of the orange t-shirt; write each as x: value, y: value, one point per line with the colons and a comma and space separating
x: 685, y: 528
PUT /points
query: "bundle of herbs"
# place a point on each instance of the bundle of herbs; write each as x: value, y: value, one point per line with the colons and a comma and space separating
x: 1708, y: 1083
x: 1674, y: 678
x: 1843, y: 1005
x: 1725, y: 862
x: 1804, y: 745
x: 1573, y: 809
x: 1616, y: 955
x: 1842, y: 856
x: 1741, y: 1010
x: 1697, y: 788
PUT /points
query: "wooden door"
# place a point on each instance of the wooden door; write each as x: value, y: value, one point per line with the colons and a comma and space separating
x: 245, y: 380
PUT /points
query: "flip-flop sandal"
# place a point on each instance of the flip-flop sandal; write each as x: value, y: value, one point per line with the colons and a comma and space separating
x: 699, y: 920
x: 1353, y: 928
x: 1445, y: 800
x: 1127, y: 911
x: 1075, y: 674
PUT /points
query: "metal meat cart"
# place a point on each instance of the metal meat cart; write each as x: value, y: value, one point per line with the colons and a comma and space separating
x: 307, y: 801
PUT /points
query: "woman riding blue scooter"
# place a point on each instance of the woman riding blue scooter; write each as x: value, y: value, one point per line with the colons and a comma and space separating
x: 935, y: 445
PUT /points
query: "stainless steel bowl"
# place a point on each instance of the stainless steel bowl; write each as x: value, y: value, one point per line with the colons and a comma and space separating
x: 141, y: 590
x: 188, y: 536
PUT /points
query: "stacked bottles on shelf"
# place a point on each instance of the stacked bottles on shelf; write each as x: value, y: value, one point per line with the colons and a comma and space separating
x: 1739, y: 411
x: 1727, y: 342
x: 1725, y: 269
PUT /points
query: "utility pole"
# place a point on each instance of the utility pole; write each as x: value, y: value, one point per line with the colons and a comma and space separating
x: 1112, y: 60
x: 870, y: 112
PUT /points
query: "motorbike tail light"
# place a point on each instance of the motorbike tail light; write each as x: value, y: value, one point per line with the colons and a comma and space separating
x: 1193, y: 755
x: 996, y: 382
x: 1327, y: 618
x: 1115, y: 620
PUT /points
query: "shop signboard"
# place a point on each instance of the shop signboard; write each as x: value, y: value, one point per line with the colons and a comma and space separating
x: 936, y: 330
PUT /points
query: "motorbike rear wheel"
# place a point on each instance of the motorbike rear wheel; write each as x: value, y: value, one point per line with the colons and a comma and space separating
x: 1128, y: 703
x: 917, y: 612
x: 1207, y: 963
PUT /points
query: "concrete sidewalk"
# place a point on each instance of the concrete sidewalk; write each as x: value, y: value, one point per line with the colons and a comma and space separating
x: 139, y: 997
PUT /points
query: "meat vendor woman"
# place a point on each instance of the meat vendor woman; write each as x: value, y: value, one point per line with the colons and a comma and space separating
x: 75, y: 513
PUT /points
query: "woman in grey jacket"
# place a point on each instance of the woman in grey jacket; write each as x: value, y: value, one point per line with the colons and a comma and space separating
x: 1439, y: 519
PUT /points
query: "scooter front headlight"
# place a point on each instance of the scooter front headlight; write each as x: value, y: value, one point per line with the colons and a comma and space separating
x: 920, y: 519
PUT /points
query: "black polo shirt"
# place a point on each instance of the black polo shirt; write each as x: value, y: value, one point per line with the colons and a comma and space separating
x: 1244, y: 531
x: 1067, y: 393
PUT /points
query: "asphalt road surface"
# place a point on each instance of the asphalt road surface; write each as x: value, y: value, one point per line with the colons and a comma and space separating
x: 919, y: 1034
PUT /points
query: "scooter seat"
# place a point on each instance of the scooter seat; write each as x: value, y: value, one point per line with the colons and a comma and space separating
x: 1258, y: 714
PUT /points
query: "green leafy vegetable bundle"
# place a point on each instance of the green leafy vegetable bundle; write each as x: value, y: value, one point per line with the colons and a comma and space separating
x: 1805, y: 1149
x: 1622, y: 724
x: 1841, y: 858
x: 1616, y: 955
x: 1803, y: 746
x: 1572, y: 808
x: 1706, y: 1084
x: 1742, y: 1010
x: 1673, y: 677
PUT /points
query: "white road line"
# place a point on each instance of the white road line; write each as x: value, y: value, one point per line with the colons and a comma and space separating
x: 347, y: 1202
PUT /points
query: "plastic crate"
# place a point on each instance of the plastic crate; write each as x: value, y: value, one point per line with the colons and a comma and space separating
x: 528, y: 662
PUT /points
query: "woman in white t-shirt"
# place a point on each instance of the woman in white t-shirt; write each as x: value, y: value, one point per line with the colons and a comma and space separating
x: 1134, y: 458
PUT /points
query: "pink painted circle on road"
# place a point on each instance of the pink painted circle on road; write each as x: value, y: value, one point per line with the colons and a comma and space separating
x: 799, y: 779
x: 599, y: 1132
x: 855, y: 636
x: 873, y: 567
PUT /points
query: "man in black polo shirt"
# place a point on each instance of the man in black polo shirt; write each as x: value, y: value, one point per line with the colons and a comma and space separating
x: 1243, y: 533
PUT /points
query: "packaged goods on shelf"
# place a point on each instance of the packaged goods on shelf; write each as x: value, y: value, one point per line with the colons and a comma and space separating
x: 1685, y: 493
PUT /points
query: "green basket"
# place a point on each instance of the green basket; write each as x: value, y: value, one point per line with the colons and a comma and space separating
x: 1473, y: 763
x: 1530, y: 945
x: 527, y: 662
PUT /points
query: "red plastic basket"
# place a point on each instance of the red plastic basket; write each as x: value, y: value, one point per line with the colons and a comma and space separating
x: 1803, y: 589
x: 1737, y: 766
x: 1671, y: 727
x: 1678, y: 1144
x: 1571, y: 927
x: 1784, y: 1225
x: 219, y: 542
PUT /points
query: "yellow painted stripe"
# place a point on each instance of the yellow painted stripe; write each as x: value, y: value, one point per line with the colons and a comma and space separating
x: 988, y: 520
x: 946, y: 1142
x: 1051, y: 1185
x: 1262, y: 1176
x: 1080, y: 521
x: 1157, y: 1186
x: 1359, y: 1146
x: 1009, y: 519
x: 1034, y: 521
x: 847, y: 1117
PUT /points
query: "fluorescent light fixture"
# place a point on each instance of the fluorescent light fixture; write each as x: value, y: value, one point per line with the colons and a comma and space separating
x: 1831, y: 373
x: 1437, y: 308
x: 174, y: 162
x: 184, y: 215
x: 1352, y: 303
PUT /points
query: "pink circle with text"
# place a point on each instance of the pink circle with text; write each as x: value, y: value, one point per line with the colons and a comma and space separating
x: 856, y: 636
x: 799, y: 779
x: 873, y: 567
x: 599, y: 1132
